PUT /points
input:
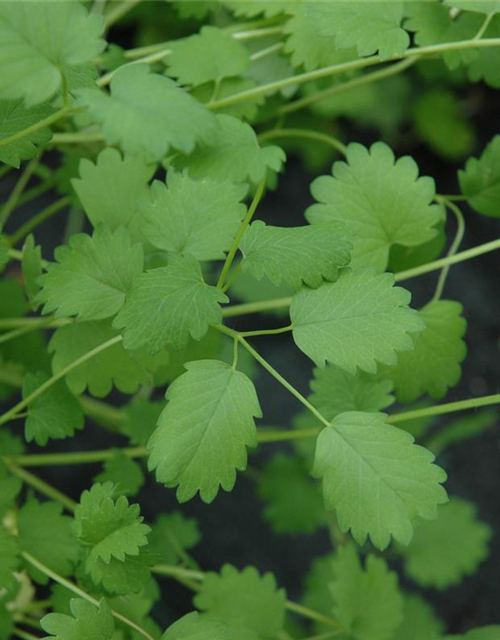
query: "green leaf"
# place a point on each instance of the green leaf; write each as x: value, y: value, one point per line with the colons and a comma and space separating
x: 108, y: 528
x: 194, y: 626
x: 37, y: 43
x: 419, y: 621
x: 204, y: 430
x: 124, y: 473
x: 367, y: 601
x: 443, y: 552
x: 115, y: 366
x: 87, y: 621
x: 382, y: 201
x: 232, y: 153
x: 376, y: 479
x: 123, y: 578
x: 476, y: 5
x: 15, y: 117
x: 10, y: 487
x: 246, y: 110
x: 317, y: 593
x: 172, y: 535
x: 188, y: 306
x: 148, y: 113
x: 295, y: 254
x: 53, y: 415
x: 141, y: 417
x: 46, y: 534
x: 358, y: 321
x: 243, y: 599
x: 209, y: 55
x: 251, y: 8
x: 433, y: 366
x: 91, y: 275
x: 197, y: 10
x: 187, y: 216
x: 110, y: 189
x: 9, y: 559
x: 247, y: 289
x: 371, y: 27
x: 485, y: 66
x: 32, y: 269
x: 337, y: 391
x: 293, y: 503
x: 480, y: 180
x: 6, y: 622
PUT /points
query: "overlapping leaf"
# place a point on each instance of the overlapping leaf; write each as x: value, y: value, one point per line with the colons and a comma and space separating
x: 172, y: 535
x: 14, y: 118
x: 87, y: 621
x: 480, y: 180
x: 125, y: 474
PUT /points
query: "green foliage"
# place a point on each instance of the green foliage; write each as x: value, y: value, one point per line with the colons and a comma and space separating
x: 172, y: 535
x: 86, y: 621
x: 15, y: 117
x: 32, y: 269
x: 480, y: 181
x: 9, y: 488
x: 125, y: 475
x: 419, y: 621
x: 9, y: 559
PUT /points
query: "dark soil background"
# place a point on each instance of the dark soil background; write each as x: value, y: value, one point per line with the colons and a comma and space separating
x: 232, y: 527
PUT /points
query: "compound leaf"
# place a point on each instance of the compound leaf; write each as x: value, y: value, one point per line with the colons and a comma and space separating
x: 383, y: 202
x: 480, y: 181
x: 15, y: 117
x: 204, y: 430
x: 91, y: 275
x: 87, y: 621
x: 295, y: 254
x: 196, y: 217
x: 167, y: 305
x: 358, y: 321
x: 148, y: 113
x: 443, y: 552
x: 434, y: 364
x: 375, y: 478
x: 244, y: 599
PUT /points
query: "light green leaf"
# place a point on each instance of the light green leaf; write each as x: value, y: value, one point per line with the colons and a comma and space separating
x: 443, y: 552
x: 207, y: 56
x: 15, y: 117
x: 141, y: 417
x: 247, y: 289
x: 371, y: 26
x: 476, y: 5
x: 337, y: 391
x: 10, y: 486
x: 293, y: 503
x: 124, y: 473
x: 172, y: 535
x: 480, y: 180
x: 246, y: 110
x: 204, y: 430
x: 148, y: 113
x: 232, y: 153
x: 317, y: 592
x: 382, y: 201
x: 115, y: 366
x: 243, y: 599
x: 38, y: 40
x: 433, y: 366
x: 485, y: 66
x: 9, y: 559
x: 46, y: 534
x: 87, y: 621
x: 123, y: 578
x: 376, y: 479
x: 196, y: 217
x: 167, y: 305
x: 194, y: 626
x: 91, y: 275
x: 419, y: 621
x: 367, y: 601
x: 358, y: 321
x: 53, y: 415
x: 252, y: 8
x: 295, y: 254
x: 32, y: 269
x: 108, y: 528
x: 110, y: 189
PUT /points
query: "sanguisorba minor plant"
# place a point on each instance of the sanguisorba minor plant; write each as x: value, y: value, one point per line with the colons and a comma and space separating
x: 161, y: 155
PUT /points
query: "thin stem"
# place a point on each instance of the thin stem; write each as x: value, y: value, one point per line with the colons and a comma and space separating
x: 77, y: 138
x: 252, y: 34
x: 36, y: 323
x: 265, y: 332
x: 38, y: 219
x: 79, y: 592
x: 256, y: 307
x: 43, y: 487
x: 442, y: 409
x: 176, y: 571
x: 311, y: 614
x: 153, y: 57
x: 304, y: 133
x: 41, y: 124
x: 234, y: 274
x: 34, y: 192
x: 284, y: 435
x: 81, y: 457
x: 16, y: 333
x: 24, y: 635
x: 248, y: 218
x: 485, y: 25
x: 51, y: 381
x: 17, y: 191
x: 453, y: 249
x: 115, y: 14
x: 258, y: 55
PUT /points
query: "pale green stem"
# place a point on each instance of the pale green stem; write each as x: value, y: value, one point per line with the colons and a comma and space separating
x: 153, y: 57
x: 117, y: 12
x: 77, y: 138
x: 33, y: 323
x: 38, y: 219
x: 41, y: 124
x: 265, y: 332
x: 16, y: 333
x: 17, y: 191
x: 267, y: 51
x: 306, y: 134
x: 51, y: 381
x: 485, y: 25
x: 43, y: 487
x: 442, y: 409
x: 453, y: 249
x: 252, y: 34
x: 249, y: 308
x: 70, y: 458
x: 82, y: 594
x: 24, y: 635
x: 248, y: 218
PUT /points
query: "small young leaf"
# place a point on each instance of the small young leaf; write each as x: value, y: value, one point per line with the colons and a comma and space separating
x: 127, y: 577
x: 383, y: 202
x: 91, y: 275
x: 87, y: 621
x: 15, y: 117
x: 187, y: 216
x: 243, y: 599
x: 204, y: 430
x: 453, y: 546
x: 54, y: 415
x: 167, y: 305
x: 295, y: 254
x: 172, y: 534
x: 9, y: 559
x: 480, y: 180
x: 134, y: 115
x: 209, y: 55
x: 110, y: 189
x: 376, y: 479
x: 434, y: 364
x: 358, y: 321
x: 124, y: 473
